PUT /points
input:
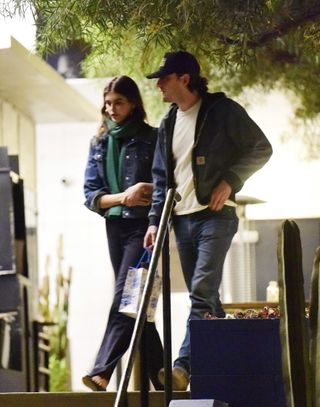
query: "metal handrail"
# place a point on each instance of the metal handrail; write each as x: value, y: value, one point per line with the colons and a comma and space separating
x: 166, y: 312
x: 141, y: 317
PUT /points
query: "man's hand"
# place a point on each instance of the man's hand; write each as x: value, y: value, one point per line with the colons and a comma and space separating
x: 219, y: 195
x: 137, y: 195
x: 150, y: 237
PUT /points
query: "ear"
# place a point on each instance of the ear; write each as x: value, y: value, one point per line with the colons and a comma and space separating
x: 185, y: 78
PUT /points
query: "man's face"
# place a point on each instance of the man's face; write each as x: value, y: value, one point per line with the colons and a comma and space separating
x: 171, y: 87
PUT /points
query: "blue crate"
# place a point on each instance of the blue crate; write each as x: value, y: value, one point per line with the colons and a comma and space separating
x: 238, y: 361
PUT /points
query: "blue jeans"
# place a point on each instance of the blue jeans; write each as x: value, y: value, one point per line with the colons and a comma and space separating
x: 203, y: 239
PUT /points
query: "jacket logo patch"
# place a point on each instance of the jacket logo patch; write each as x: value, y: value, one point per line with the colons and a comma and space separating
x: 200, y: 160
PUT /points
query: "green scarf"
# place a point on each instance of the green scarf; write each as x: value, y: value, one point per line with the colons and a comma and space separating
x: 117, y: 134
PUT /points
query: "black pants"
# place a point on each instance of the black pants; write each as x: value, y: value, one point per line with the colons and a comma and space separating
x: 125, y: 240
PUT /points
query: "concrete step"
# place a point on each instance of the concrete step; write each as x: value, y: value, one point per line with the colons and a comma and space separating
x: 83, y: 399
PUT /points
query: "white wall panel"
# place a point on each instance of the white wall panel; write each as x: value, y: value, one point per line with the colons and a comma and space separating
x: 1, y: 125
x: 26, y: 151
x: 10, y: 135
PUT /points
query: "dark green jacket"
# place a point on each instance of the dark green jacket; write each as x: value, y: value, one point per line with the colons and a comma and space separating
x: 228, y: 145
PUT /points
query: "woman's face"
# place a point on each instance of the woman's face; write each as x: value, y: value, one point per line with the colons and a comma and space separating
x: 118, y: 106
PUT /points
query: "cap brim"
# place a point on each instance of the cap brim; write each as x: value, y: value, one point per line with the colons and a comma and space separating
x: 154, y: 75
x: 158, y: 74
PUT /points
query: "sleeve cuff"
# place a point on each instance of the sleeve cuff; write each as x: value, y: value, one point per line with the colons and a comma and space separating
x: 95, y: 202
x: 154, y: 221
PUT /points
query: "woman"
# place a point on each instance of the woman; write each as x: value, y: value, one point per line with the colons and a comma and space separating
x: 118, y: 186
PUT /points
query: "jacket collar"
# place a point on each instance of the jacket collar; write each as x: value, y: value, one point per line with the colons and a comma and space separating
x: 208, y: 101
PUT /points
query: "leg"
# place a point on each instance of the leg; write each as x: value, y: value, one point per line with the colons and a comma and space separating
x: 211, y: 238
x: 119, y: 328
x: 154, y: 354
x: 187, y: 251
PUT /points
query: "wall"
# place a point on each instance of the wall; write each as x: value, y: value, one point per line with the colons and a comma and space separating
x: 266, y: 251
x: 17, y: 132
x: 287, y: 182
x: 62, y: 152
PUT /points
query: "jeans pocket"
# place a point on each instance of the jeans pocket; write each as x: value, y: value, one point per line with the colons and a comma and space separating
x: 218, y: 228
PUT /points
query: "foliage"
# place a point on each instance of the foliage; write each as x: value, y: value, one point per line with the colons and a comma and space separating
x: 59, y: 374
x: 240, y: 44
x: 251, y: 42
x: 56, y: 315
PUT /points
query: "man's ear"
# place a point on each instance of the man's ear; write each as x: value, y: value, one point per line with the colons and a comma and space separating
x: 185, y: 79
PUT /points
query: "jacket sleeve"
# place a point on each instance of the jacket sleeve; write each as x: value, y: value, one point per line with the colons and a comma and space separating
x: 254, y: 149
x: 94, y: 186
x: 159, y: 179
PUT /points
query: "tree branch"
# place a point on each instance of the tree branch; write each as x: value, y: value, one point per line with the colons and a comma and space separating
x: 311, y: 15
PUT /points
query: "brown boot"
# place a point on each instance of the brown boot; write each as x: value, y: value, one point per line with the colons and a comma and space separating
x: 180, y: 378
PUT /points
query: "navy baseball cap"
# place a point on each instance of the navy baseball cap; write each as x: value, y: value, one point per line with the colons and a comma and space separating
x: 179, y: 62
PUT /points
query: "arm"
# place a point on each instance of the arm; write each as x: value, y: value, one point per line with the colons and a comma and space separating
x: 254, y: 149
x: 94, y: 185
x: 98, y: 197
x: 136, y: 195
x: 159, y: 177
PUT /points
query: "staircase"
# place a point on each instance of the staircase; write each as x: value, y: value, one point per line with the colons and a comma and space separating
x: 83, y: 399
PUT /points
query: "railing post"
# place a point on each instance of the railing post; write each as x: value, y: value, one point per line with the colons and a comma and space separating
x: 166, y: 299
x: 141, y: 317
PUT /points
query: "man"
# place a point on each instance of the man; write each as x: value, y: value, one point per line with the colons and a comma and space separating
x: 207, y: 148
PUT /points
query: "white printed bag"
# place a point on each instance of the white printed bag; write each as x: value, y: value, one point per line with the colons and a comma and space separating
x: 133, y: 289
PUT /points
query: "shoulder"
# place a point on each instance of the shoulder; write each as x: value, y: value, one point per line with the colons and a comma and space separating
x: 211, y: 99
x: 98, y: 141
x: 149, y: 132
x: 221, y: 102
x: 94, y: 141
x: 169, y: 116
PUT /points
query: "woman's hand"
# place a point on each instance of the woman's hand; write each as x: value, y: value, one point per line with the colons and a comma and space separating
x: 138, y: 195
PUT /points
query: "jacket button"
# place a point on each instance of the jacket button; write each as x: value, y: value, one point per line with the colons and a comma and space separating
x: 127, y: 178
x: 127, y: 157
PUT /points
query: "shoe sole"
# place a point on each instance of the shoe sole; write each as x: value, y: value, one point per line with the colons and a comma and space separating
x: 87, y: 381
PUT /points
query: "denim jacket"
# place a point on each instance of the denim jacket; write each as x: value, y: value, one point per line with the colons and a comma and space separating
x: 228, y: 145
x: 139, y: 152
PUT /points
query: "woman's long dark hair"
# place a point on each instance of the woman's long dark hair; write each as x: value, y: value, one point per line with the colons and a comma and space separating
x: 126, y: 87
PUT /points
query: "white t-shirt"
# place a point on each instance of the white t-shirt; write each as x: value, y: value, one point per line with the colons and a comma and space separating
x: 182, y: 144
